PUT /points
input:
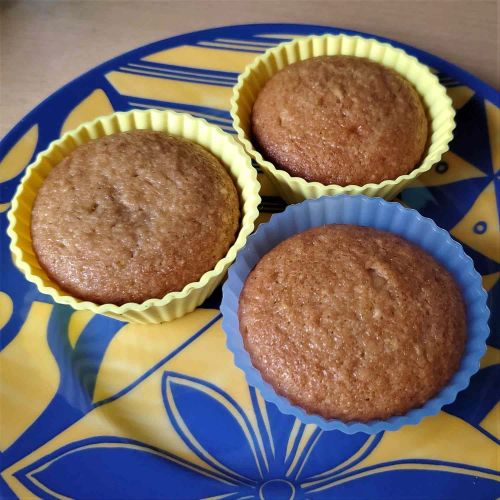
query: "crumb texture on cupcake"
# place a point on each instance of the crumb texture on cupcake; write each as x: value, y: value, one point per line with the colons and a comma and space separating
x: 352, y: 323
x: 340, y: 120
x: 133, y: 216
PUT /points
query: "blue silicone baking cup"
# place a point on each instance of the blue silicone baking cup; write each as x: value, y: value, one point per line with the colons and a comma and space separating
x: 379, y: 214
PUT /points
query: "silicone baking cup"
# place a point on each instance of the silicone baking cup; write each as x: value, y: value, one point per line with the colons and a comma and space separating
x: 295, y: 189
x: 380, y: 214
x: 172, y: 305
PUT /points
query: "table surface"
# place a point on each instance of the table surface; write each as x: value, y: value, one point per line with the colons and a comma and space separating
x: 44, y: 44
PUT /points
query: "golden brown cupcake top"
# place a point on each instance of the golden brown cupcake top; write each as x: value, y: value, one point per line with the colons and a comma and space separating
x: 340, y: 120
x: 133, y: 216
x: 352, y: 323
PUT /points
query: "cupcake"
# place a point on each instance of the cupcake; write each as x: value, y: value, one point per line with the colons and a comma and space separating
x: 340, y: 120
x: 134, y: 216
x: 347, y: 322
x: 339, y: 114
x: 355, y: 314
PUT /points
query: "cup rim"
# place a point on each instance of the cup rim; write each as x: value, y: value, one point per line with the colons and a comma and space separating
x: 477, y: 309
x: 425, y: 164
x: 251, y: 200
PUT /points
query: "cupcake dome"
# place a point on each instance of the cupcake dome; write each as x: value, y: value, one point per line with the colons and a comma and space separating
x: 128, y: 217
x: 340, y: 120
x: 347, y: 322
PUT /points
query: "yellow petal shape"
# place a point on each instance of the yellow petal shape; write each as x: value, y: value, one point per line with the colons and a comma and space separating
x: 77, y: 323
x: 140, y: 414
x: 136, y: 348
x: 457, y: 170
x: 282, y: 36
x: 265, y: 417
x: 490, y: 280
x: 306, y: 436
x: 459, y: 95
x: 491, y: 357
x: 32, y: 374
x: 246, y: 43
x: 5, y: 309
x: 96, y: 104
x: 479, y: 228
x: 4, y: 207
x: 291, y: 438
x: 493, y: 118
x: 435, y: 438
x: 161, y: 89
x: 428, y: 440
x: 491, y: 422
x: 203, y: 57
x: 218, y: 497
x: 19, y: 155
x: 348, y: 461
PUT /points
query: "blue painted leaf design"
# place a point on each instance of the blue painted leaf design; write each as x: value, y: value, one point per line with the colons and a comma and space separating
x: 213, y: 425
x: 275, y: 428
x: 107, y: 467
x: 335, y: 451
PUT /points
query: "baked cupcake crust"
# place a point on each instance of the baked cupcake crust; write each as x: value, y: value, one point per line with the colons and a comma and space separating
x: 340, y: 120
x: 352, y: 323
x: 133, y: 216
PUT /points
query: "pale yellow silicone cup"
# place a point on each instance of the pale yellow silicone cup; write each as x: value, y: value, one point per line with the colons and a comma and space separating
x: 295, y: 189
x: 175, y: 304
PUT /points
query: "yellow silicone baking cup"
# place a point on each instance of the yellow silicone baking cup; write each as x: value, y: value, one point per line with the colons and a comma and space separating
x: 175, y: 304
x: 295, y: 189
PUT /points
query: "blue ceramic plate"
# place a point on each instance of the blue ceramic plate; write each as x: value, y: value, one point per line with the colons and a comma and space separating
x: 95, y: 408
